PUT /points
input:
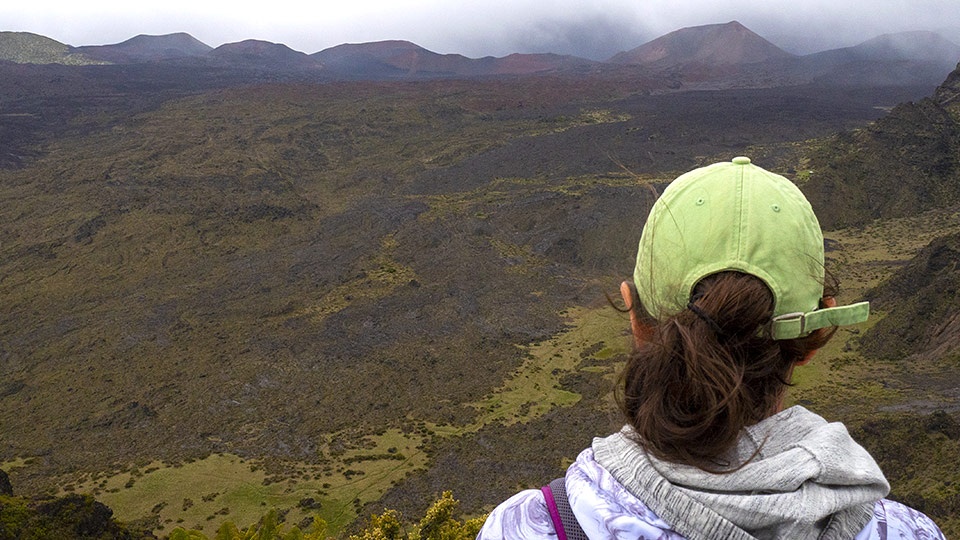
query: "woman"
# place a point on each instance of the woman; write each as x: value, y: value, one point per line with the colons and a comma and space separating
x: 727, y: 298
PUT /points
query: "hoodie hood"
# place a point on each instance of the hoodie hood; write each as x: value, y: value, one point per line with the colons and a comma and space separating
x: 808, y: 480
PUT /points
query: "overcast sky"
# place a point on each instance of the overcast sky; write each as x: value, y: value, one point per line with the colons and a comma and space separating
x: 591, y: 28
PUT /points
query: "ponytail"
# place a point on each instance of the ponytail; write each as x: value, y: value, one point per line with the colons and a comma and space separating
x: 709, y: 371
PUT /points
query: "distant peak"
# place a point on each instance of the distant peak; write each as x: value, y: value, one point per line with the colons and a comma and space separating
x: 396, y: 43
x: 732, y: 25
x: 255, y: 46
x: 713, y: 44
x: 148, y: 48
x: 379, y: 46
x: 177, y: 35
x: 30, y: 48
x: 180, y: 39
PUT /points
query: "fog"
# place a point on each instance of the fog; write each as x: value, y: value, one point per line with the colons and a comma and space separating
x: 596, y: 30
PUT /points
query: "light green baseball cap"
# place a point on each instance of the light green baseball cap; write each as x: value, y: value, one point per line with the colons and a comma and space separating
x: 737, y: 216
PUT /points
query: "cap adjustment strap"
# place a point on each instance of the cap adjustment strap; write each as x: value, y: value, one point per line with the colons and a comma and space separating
x: 794, y: 325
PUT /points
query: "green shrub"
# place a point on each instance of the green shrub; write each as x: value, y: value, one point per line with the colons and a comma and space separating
x: 74, y: 516
x: 439, y: 523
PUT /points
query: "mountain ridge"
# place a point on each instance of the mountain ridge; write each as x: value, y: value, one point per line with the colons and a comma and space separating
x: 887, y: 58
x: 717, y: 55
x: 403, y: 58
x: 913, y: 45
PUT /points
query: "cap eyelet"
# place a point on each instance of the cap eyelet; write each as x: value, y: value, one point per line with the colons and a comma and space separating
x: 775, y: 207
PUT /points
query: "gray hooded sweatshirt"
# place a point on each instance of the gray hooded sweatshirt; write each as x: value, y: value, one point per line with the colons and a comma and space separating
x: 808, y: 480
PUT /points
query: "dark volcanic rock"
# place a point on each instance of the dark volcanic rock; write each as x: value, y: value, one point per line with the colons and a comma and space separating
x: 5, y: 487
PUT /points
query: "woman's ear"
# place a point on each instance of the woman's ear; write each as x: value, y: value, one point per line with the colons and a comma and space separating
x: 641, y: 331
x: 807, y: 358
x: 825, y: 302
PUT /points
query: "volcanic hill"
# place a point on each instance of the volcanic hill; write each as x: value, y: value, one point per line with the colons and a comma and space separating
x: 145, y: 48
x: 28, y: 48
x: 263, y: 54
x: 713, y: 45
x: 923, y: 299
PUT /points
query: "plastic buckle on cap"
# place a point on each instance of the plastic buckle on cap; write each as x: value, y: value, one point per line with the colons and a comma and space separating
x: 789, y: 324
x: 794, y: 325
x: 791, y: 316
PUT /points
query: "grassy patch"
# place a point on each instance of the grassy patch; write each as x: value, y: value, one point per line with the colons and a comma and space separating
x: 16, y: 463
x: 381, y: 275
x: 204, y: 493
x: 534, y: 389
x: 585, y: 118
x: 863, y: 257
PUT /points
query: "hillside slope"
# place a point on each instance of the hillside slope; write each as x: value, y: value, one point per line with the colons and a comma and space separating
x: 27, y: 48
x: 905, y: 163
x: 922, y: 302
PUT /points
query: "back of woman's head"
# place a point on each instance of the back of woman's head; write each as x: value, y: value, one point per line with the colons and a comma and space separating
x: 705, y: 373
x: 730, y: 279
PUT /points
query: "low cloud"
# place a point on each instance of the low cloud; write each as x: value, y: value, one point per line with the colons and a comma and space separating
x: 596, y: 38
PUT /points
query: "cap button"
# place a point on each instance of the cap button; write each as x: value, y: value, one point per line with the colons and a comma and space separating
x: 741, y: 160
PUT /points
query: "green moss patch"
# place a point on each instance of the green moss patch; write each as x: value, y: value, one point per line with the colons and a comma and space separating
x: 204, y: 493
x: 535, y: 388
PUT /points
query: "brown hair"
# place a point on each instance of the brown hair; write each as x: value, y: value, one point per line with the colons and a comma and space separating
x: 704, y: 374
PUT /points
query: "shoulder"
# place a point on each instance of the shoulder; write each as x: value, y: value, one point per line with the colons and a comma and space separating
x: 895, y: 520
x: 603, y: 507
x: 523, y: 516
x: 606, y: 509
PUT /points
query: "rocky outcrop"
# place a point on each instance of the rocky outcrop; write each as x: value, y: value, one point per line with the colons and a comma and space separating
x: 5, y: 487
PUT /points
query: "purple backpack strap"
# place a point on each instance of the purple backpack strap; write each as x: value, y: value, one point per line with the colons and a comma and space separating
x: 564, y: 522
x: 554, y: 513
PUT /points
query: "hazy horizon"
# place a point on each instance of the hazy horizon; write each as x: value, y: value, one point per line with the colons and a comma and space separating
x: 490, y: 28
